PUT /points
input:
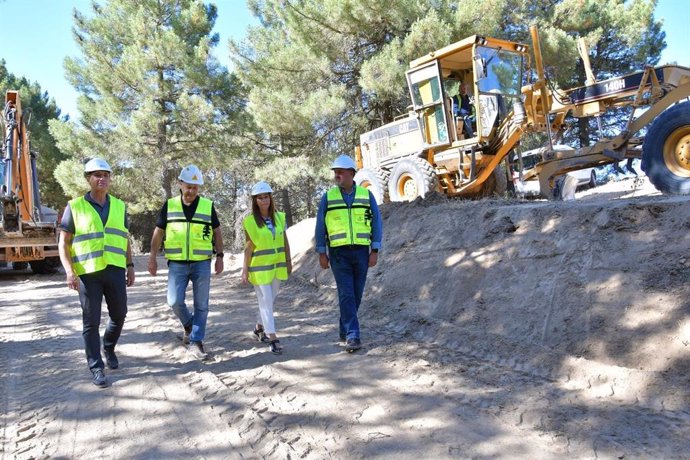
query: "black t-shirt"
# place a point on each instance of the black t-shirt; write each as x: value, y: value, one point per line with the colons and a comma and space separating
x: 188, y: 214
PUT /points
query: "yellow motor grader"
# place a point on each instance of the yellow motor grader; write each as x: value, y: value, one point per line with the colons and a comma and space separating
x: 460, y: 153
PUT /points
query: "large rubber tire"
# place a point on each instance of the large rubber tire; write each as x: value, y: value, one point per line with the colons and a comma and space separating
x: 592, y: 179
x: 411, y: 178
x: 46, y: 266
x: 496, y: 184
x: 566, y: 186
x: 374, y: 180
x: 666, y: 151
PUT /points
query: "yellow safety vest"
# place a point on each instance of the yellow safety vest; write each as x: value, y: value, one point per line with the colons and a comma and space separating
x: 348, y: 225
x: 268, y: 260
x: 185, y: 240
x: 95, y: 246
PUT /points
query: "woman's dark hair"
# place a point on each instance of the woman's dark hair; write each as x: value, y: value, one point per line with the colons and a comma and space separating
x: 257, y: 213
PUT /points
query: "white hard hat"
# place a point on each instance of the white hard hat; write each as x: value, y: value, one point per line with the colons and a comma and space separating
x: 344, y: 162
x: 261, y: 187
x: 97, y: 164
x: 191, y: 175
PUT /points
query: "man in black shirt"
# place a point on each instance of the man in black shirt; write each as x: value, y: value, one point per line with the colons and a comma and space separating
x: 191, y: 230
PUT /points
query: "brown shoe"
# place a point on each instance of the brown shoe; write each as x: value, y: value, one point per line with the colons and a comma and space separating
x: 353, y: 345
x: 185, y: 335
x: 197, y: 350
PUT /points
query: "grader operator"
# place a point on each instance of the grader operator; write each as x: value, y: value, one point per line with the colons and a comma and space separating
x: 431, y: 148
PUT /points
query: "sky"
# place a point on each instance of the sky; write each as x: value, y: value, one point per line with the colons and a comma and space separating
x: 37, y: 35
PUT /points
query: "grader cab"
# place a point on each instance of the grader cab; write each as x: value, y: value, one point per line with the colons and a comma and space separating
x: 457, y: 145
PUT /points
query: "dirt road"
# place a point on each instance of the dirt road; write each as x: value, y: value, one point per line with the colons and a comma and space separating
x: 491, y: 330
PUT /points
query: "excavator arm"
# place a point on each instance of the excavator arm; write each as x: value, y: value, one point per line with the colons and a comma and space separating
x: 26, y: 235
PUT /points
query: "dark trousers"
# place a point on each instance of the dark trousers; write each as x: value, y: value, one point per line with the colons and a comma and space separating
x: 350, y: 265
x: 111, y: 284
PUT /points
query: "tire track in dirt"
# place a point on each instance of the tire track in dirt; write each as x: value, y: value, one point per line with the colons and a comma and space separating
x: 417, y: 389
x: 34, y: 358
x: 544, y: 402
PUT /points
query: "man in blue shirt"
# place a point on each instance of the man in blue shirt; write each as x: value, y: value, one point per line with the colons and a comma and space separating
x: 97, y: 257
x: 348, y: 238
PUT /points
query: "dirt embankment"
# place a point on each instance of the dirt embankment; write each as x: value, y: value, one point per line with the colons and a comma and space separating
x: 492, y: 329
x: 576, y: 313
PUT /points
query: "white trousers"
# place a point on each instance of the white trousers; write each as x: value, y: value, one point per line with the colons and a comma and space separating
x: 266, y: 294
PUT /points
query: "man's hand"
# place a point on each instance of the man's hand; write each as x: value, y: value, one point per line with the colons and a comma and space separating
x: 219, y: 265
x: 72, y: 281
x: 373, y: 258
x: 245, y: 277
x: 153, y: 265
x: 289, y: 266
x: 130, y: 276
x: 323, y: 260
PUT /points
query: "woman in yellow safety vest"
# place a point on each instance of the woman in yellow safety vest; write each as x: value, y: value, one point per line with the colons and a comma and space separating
x: 267, y: 259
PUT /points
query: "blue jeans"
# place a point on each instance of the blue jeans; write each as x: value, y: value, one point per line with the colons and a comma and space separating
x: 111, y: 284
x: 466, y: 118
x: 349, y: 265
x: 179, y: 276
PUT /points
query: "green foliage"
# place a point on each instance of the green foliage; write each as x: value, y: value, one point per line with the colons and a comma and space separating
x: 309, y: 80
x: 621, y: 36
x: 321, y: 72
x: 70, y: 175
x: 152, y: 97
x: 39, y: 109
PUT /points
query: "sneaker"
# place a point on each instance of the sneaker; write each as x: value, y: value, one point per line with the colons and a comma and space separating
x: 261, y: 335
x: 111, y: 358
x: 276, y: 349
x: 99, y: 378
x: 197, y: 349
x: 185, y: 335
x: 342, y: 338
x: 353, y: 345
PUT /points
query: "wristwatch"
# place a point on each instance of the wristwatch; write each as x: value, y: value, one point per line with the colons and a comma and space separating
x: 374, y: 250
x: 220, y: 254
x: 130, y: 265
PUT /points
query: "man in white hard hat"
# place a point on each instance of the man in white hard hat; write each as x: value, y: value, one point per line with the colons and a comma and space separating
x: 96, y: 255
x: 192, y: 234
x: 348, y: 238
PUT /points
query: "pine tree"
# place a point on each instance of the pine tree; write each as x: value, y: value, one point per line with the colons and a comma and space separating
x: 622, y: 38
x: 321, y: 72
x: 39, y: 108
x: 152, y: 97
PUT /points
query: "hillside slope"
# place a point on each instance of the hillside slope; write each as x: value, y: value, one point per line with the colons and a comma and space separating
x: 576, y: 313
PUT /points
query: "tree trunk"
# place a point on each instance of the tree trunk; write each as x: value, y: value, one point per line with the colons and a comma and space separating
x: 287, y: 209
x: 168, y: 178
x: 311, y: 199
x: 583, y: 131
x: 162, y: 136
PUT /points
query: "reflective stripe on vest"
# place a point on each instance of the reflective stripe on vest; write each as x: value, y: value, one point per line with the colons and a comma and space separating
x: 268, y: 259
x: 95, y: 246
x: 188, y: 240
x: 348, y: 225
